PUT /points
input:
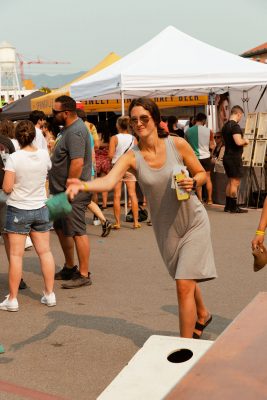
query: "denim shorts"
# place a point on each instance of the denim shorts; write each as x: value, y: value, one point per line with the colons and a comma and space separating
x: 2, y: 213
x: 25, y: 221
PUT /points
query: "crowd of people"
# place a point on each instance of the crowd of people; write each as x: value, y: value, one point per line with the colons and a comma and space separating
x: 38, y: 156
x: 219, y: 152
x: 66, y: 154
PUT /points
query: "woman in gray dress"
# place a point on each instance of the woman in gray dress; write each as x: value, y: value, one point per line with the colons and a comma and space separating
x: 181, y: 227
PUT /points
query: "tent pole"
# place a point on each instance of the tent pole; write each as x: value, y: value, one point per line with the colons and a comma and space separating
x: 212, y: 113
x: 122, y: 103
x: 124, y: 184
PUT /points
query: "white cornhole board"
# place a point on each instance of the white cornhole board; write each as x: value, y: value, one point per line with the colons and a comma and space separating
x: 149, y: 375
x: 250, y: 127
x: 262, y: 126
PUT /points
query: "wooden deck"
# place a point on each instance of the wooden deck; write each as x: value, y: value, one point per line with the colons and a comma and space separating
x: 235, y: 367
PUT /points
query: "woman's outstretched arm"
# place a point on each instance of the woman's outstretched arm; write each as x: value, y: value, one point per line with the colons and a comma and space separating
x: 106, y: 183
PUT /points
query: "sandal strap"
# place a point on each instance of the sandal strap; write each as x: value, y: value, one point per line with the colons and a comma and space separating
x: 115, y: 226
x: 199, y: 326
x: 137, y: 226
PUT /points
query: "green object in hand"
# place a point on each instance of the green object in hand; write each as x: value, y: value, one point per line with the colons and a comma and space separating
x: 58, y: 206
x: 2, y: 350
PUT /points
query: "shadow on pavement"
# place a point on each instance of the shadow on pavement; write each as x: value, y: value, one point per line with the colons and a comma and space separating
x: 5, y: 360
x: 25, y: 292
x: 217, y: 326
x: 138, y: 334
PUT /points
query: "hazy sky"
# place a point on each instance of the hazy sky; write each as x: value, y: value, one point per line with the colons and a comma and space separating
x: 84, y: 31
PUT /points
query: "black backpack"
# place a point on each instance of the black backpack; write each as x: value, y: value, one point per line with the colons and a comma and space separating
x: 142, y: 215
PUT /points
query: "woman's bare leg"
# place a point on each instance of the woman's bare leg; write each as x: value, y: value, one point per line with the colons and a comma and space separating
x: 199, y: 193
x: 116, y: 203
x: 6, y: 244
x: 41, y: 244
x: 16, y: 251
x: 94, y: 208
x: 202, y: 311
x: 187, y: 306
x: 104, y: 194
x: 209, y: 187
x: 104, y: 199
x: 132, y: 194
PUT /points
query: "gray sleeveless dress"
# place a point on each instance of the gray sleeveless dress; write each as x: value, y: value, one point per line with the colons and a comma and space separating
x: 181, y: 228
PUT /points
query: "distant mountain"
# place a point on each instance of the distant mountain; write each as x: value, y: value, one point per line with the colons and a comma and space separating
x: 54, y: 81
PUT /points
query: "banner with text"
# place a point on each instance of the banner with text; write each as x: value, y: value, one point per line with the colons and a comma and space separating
x: 46, y: 105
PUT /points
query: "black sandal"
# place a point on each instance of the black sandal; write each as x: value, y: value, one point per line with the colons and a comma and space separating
x: 201, y: 327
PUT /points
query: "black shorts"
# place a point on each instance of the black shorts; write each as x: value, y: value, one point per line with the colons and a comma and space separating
x: 233, y: 165
x: 74, y: 223
x: 206, y: 164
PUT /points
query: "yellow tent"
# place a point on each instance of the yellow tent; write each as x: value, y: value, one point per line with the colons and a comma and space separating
x: 45, y: 103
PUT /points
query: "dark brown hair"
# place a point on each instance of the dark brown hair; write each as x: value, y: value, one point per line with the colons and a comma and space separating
x: 171, y: 121
x: 25, y: 133
x: 201, y: 117
x: 81, y: 114
x: 37, y: 115
x: 153, y: 109
x: 67, y: 103
x: 7, y: 128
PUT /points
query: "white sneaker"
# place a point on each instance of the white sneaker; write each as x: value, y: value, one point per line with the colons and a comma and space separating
x: 49, y: 299
x: 96, y: 221
x: 28, y: 243
x: 9, y: 305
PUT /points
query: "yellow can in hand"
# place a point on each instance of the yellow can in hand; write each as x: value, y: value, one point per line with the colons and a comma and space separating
x: 181, y: 193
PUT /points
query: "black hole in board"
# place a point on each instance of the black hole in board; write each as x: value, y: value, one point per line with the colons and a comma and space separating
x: 180, y: 356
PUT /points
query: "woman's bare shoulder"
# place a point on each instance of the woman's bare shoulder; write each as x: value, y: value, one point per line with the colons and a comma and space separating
x: 132, y: 159
x: 179, y: 142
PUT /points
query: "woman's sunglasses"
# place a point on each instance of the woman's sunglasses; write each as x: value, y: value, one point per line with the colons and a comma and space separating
x: 217, y: 137
x: 144, y: 119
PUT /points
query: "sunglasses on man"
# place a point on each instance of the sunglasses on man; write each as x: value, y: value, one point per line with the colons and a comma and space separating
x: 55, y: 112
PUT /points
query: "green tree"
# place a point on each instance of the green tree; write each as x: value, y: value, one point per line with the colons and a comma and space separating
x: 45, y: 89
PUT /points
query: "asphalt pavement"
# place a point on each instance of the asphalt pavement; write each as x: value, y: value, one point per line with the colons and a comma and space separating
x: 74, y: 350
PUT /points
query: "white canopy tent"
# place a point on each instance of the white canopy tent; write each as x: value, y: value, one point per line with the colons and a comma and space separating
x: 190, y: 66
x: 253, y: 100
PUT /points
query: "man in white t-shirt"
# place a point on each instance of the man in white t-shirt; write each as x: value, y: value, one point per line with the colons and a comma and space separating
x: 38, y: 118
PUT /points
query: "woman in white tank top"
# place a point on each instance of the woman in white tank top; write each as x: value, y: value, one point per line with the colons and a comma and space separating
x: 120, y: 144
